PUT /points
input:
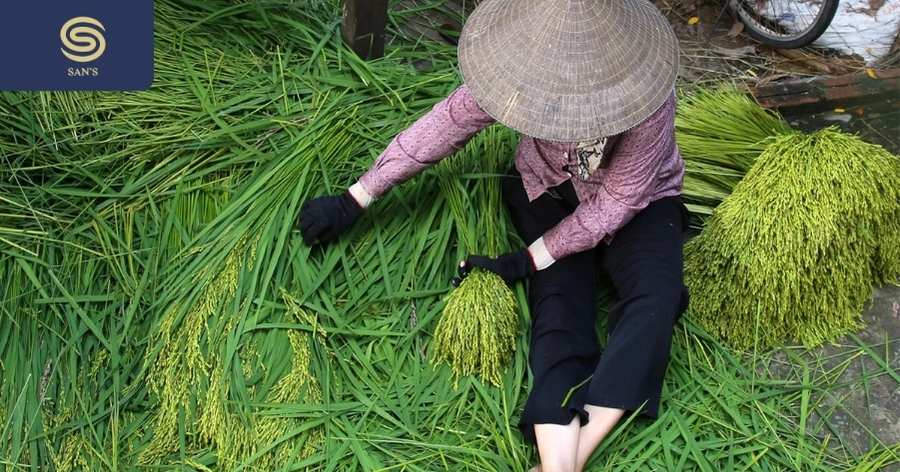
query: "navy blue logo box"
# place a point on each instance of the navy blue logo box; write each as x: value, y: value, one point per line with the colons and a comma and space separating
x: 76, y: 44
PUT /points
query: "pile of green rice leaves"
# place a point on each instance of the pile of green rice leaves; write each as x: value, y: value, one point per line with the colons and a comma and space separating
x: 158, y: 310
x: 793, y: 254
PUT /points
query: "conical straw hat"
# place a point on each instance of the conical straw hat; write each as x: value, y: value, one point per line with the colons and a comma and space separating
x: 568, y: 70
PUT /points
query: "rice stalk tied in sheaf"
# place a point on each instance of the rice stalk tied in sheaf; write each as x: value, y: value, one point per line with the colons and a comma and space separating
x: 477, y: 331
x: 476, y: 334
x: 794, y: 252
x: 720, y: 131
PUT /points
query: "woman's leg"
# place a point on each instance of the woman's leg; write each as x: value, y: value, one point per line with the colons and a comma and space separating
x: 644, y: 262
x: 563, y: 349
x: 602, y: 420
x: 562, y: 354
x: 558, y: 445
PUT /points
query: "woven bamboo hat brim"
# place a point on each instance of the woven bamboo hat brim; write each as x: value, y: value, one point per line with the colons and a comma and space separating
x: 568, y: 70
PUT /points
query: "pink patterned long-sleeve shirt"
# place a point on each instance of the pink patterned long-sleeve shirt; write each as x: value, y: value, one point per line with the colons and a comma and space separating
x: 641, y: 165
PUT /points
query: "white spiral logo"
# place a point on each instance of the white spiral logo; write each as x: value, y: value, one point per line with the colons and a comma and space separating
x: 84, y: 42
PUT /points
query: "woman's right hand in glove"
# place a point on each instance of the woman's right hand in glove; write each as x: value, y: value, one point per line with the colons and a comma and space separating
x: 323, y: 219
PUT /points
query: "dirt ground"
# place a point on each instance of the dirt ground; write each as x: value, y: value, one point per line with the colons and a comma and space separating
x: 863, y: 410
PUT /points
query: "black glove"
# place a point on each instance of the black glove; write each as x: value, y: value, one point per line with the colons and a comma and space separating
x: 323, y: 219
x: 511, y: 267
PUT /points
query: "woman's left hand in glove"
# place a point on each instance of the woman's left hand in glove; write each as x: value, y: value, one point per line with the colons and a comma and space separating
x: 511, y: 267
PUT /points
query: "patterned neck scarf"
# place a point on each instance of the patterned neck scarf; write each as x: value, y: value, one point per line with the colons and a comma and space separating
x: 588, y: 156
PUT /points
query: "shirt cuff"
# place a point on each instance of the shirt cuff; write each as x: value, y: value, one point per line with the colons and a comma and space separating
x: 360, y: 195
x: 540, y: 255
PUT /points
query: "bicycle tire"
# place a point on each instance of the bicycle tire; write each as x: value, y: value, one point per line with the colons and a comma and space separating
x: 756, y: 31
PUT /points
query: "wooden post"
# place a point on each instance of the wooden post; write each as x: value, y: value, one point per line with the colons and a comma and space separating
x: 363, y: 26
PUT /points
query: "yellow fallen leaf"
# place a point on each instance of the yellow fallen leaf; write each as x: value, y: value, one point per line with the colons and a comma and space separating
x: 871, y: 72
x: 694, y: 20
x: 839, y: 110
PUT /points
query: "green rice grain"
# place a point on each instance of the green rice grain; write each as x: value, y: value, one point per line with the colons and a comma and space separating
x: 477, y: 331
x: 794, y: 252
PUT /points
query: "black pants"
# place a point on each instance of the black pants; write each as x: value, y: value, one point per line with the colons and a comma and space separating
x: 644, y: 264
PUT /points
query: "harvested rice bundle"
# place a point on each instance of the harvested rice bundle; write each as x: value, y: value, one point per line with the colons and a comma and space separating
x: 477, y: 330
x: 725, y: 121
x: 720, y: 132
x: 794, y: 252
x: 478, y: 327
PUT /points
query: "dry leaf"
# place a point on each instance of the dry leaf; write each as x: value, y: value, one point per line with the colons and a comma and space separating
x: 736, y: 29
x: 694, y: 20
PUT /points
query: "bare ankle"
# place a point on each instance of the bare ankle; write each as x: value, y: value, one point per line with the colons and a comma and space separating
x: 558, y: 466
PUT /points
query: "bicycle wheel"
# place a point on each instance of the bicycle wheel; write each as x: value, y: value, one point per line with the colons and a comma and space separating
x: 785, y: 23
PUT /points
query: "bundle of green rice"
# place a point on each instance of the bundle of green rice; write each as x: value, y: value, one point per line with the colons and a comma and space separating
x: 720, y: 132
x: 794, y: 252
x: 477, y: 331
x: 476, y: 334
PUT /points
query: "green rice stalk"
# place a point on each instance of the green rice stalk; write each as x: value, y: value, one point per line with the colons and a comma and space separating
x: 794, y: 252
x: 299, y: 385
x: 476, y: 334
x: 240, y: 443
x: 71, y: 455
x: 478, y: 328
x: 720, y: 131
x: 181, y: 366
